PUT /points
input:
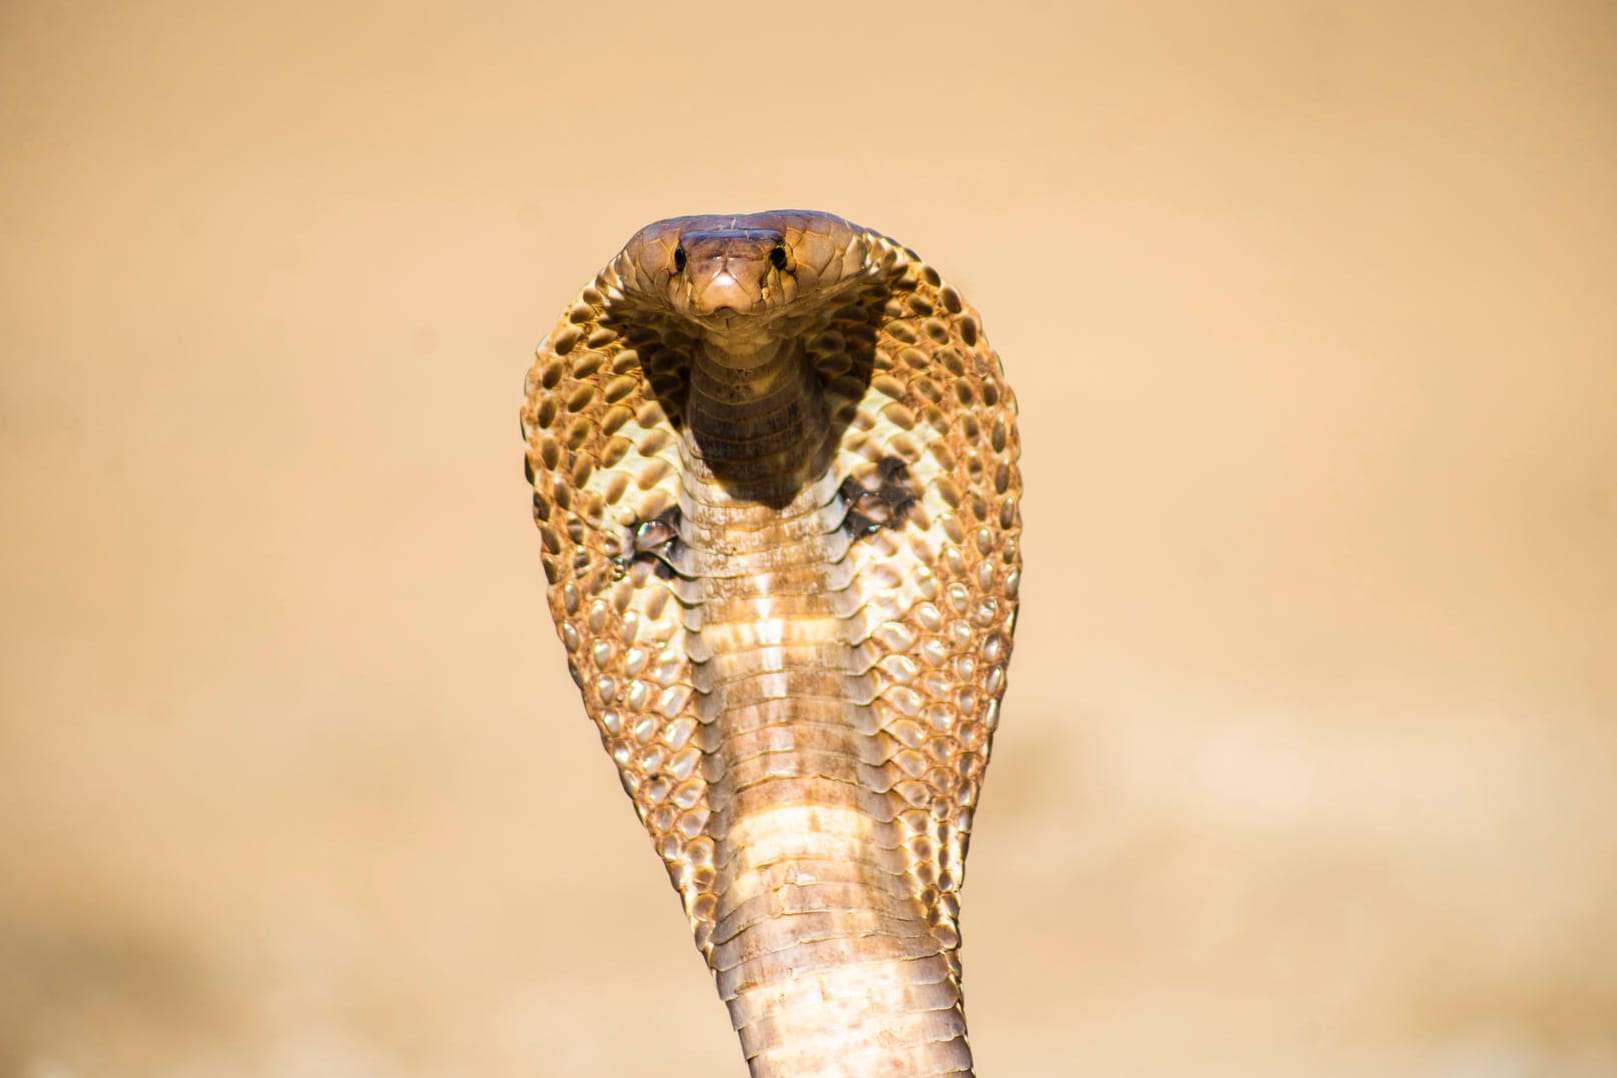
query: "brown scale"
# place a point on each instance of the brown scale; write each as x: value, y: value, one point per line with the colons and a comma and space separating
x: 906, y: 484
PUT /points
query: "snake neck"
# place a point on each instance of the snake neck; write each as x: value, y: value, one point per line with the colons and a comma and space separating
x: 826, y: 959
x: 756, y: 431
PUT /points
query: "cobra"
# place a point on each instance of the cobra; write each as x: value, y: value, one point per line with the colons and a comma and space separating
x: 774, y: 463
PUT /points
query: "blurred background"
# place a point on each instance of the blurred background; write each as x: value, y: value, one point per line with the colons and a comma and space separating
x: 1309, y: 763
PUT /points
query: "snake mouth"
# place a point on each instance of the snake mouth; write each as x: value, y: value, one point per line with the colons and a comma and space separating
x: 723, y: 293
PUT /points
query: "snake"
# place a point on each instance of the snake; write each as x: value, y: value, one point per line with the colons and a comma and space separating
x: 775, y: 476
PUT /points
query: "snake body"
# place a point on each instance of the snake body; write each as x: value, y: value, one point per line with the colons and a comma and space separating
x: 774, y: 470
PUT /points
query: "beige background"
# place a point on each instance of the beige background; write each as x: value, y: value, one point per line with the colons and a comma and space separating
x: 1309, y: 765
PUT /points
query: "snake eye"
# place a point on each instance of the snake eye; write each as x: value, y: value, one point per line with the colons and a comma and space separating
x: 777, y: 256
x: 679, y: 259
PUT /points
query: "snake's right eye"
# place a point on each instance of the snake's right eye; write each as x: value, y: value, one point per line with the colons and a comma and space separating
x: 679, y: 259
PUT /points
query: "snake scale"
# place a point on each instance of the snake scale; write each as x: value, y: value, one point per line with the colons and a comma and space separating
x: 774, y: 463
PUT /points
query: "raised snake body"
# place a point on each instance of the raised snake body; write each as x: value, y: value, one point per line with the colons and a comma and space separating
x: 774, y: 470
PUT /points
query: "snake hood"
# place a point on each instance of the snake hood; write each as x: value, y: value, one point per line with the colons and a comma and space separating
x: 774, y: 465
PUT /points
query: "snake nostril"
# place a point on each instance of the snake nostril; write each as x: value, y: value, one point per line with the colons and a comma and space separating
x: 777, y: 256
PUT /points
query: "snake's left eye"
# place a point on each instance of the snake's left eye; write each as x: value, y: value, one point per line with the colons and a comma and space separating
x: 777, y: 256
x: 679, y: 259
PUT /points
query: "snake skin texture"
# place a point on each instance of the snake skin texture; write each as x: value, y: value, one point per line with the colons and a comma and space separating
x: 774, y: 462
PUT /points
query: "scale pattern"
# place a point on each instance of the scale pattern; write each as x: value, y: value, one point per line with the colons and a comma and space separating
x: 891, y: 574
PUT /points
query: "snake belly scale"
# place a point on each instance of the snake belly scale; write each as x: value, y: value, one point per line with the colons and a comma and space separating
x: 774, y: 462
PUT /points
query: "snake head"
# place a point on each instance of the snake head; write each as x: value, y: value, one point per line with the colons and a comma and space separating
x: 743, y: 281
x: 723, y: 273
